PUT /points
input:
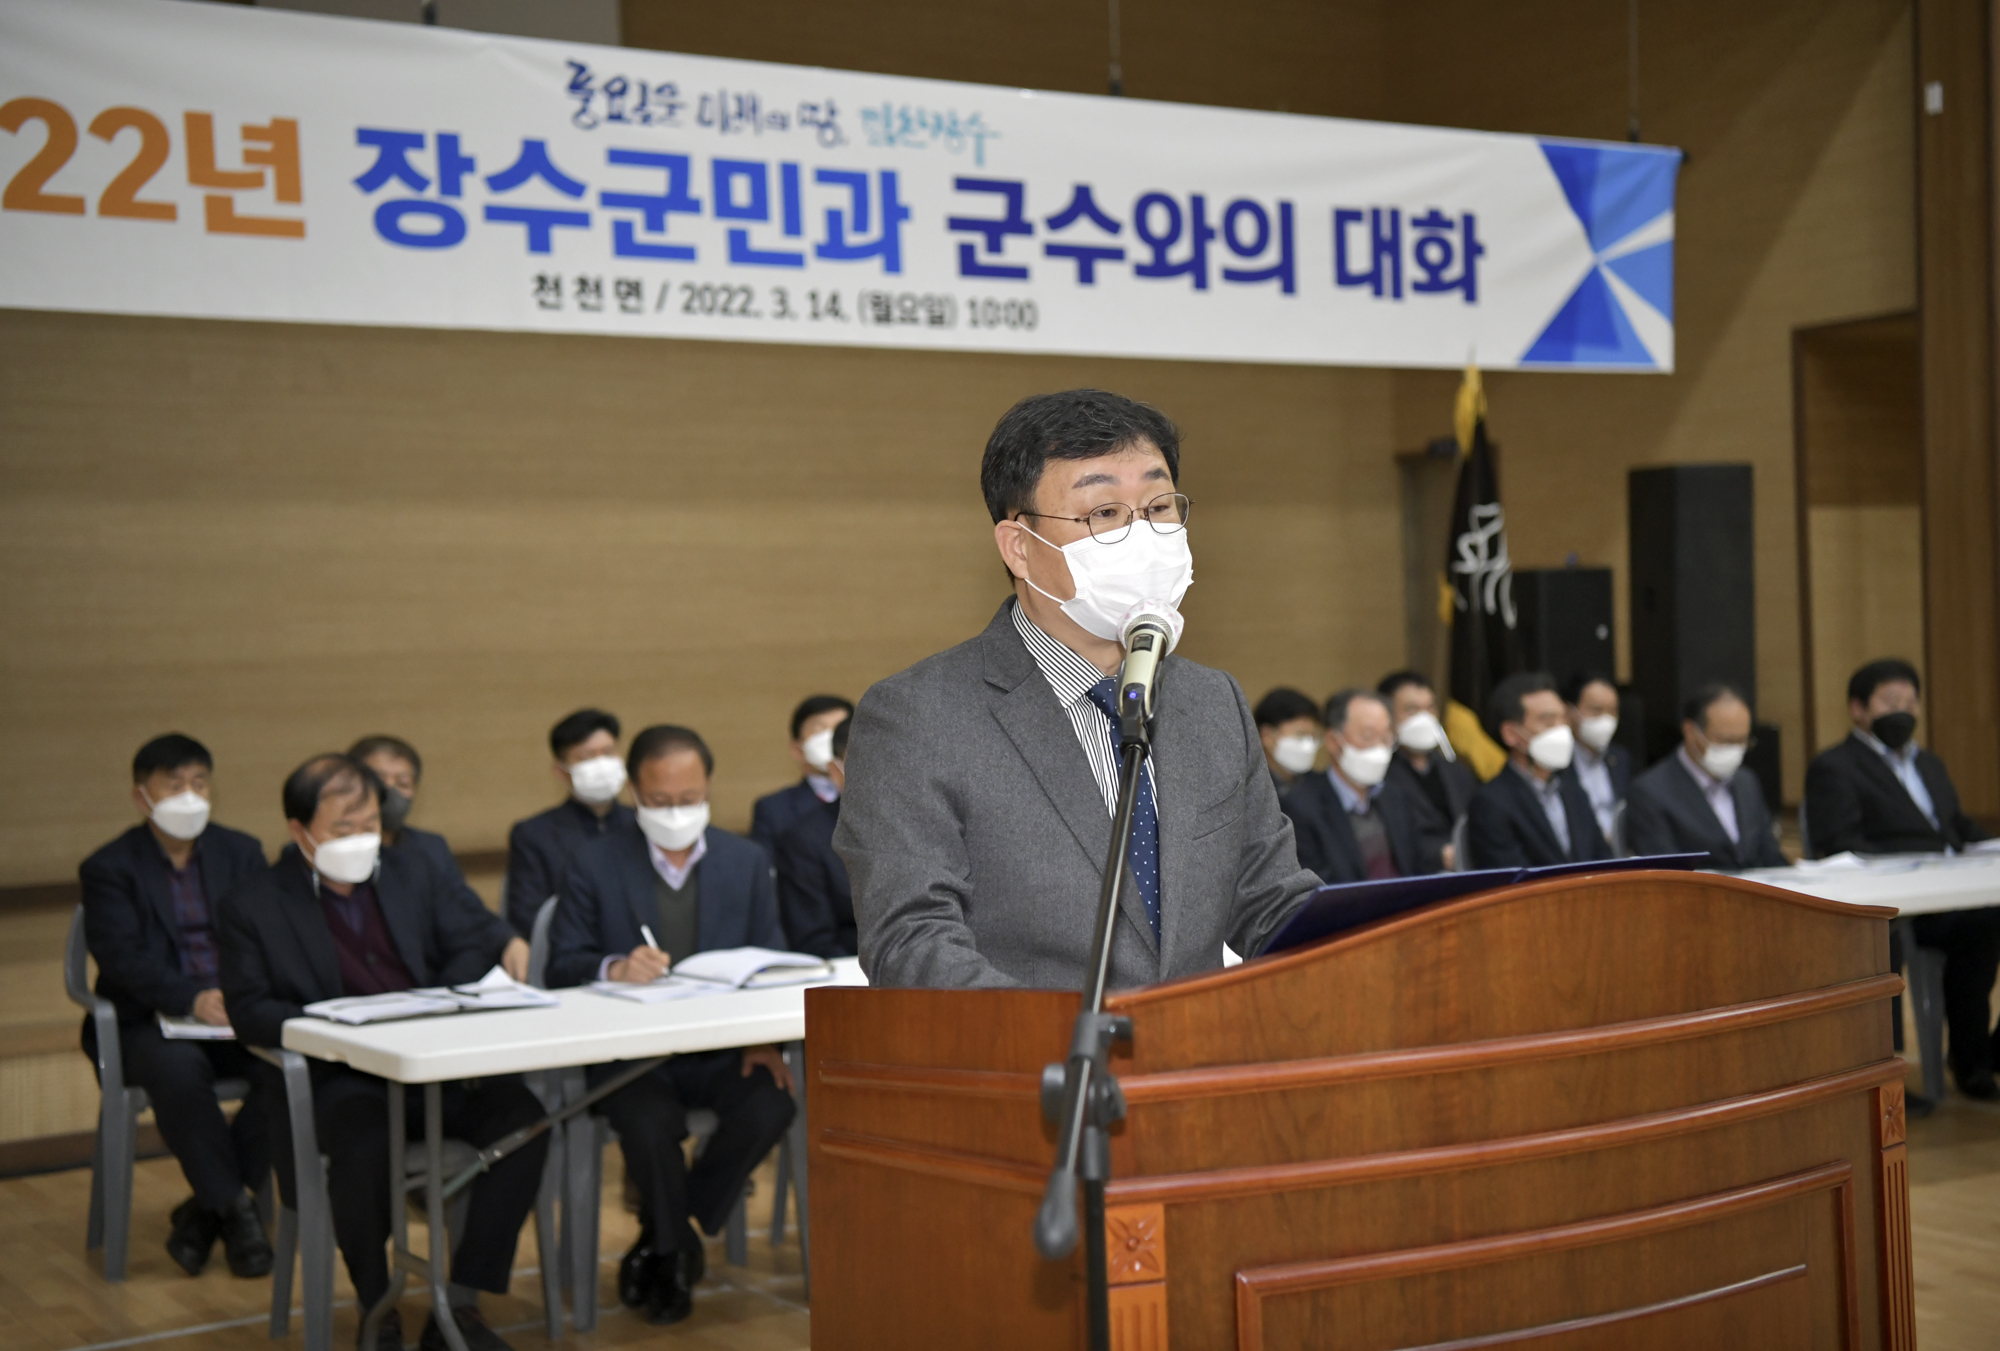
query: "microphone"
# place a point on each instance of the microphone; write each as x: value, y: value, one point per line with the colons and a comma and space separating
x: 1150, y: 634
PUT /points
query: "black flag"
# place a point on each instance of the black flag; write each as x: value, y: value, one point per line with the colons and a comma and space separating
x: 1477, y: 574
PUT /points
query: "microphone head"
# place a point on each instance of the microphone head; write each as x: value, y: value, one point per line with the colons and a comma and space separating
x: 1158, y: 617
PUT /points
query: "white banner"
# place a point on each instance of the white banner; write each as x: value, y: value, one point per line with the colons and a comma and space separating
x: 227, y: 162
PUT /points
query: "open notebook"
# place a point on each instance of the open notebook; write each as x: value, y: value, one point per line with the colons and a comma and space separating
x: 722, y: 970
x: 495, y: 990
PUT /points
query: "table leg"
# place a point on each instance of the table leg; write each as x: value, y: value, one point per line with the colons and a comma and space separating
x: 580, y: 1218
x: 439, y: 1263
x: 795, y: 1060
x: 399, y: 1232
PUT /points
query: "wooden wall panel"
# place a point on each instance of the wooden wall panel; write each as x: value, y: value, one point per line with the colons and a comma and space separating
x: 1955, y: 171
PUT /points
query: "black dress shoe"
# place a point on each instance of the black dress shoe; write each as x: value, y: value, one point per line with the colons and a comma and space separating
x: 1981, y: 1087
x: 471, y: 1326
x: 193, y: 1236
x: 671, y: 1299
x: 388, y: 1337
x: 637, y: 1273
x: 243, y: 1240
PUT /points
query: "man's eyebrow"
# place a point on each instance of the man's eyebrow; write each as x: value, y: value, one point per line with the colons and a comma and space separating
x: 1092, y: 480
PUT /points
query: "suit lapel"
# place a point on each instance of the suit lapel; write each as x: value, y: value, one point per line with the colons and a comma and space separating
x: 712, y: 916
x: 404, y: 911
x: 1177, y: 789
x: 1529, y: 808
x: 1025, y: 707
x: 1692, y: 805
x: 639, y: 891
x: 153, y: 871
x: 308, y: 922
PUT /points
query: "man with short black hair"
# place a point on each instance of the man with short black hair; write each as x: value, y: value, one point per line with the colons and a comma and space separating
x: 1531, y: 814
x: 149, y: 918
x: 1288, y: 724
x: 1697, y: 800
x: 659, y: 887
x: 982, y: 782
x: 813, y: 722
x: 539, y: 849
x: 1880, y: 792
x: 336, y: 917
x: 396, y: 762
x: 815, y: 899
x: 1424, y: 754
x: 1604, y: 768
x: 1354, y: 823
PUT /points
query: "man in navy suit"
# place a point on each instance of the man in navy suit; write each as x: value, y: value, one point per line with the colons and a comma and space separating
x: 1356, y: 823
x: 815, y: 899
x: 396, y: 762
x: 813, y: 722
x: 1879, y: 792
x: 585, y: 747
x: 658, y: 888
x: 1532, y: 814
x: 149, y: 918
x: 1590, y: 702
x: 1698, y: 800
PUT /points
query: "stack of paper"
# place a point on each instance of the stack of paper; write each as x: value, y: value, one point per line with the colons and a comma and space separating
x: 194, y: 1029
x: 722, y: 970
x: 497, y: 990
x: 361, y: 1009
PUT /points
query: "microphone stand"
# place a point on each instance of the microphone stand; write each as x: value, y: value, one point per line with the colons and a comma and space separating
x: 1080, y: 1095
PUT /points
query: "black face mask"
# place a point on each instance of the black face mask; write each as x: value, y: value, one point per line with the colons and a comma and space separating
x: 1894, y: 730
x: 395, y: 810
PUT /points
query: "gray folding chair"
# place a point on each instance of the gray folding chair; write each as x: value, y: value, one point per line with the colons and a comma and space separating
x: 1619, y: 849
x: 110, y: 1226
x: 1459, y: 863
x: 584, y: 1141
x: 305, y: 1230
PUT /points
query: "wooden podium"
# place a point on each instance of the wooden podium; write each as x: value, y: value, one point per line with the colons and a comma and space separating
x: 1640, y: 1110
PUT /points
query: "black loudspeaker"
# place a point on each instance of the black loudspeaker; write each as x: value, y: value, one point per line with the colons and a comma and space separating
x: 1694, y: 616
x: 1764, y: 761
x: 1563, y: 621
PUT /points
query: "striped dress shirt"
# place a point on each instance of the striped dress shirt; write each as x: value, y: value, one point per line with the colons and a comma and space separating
x: 1071, y: 677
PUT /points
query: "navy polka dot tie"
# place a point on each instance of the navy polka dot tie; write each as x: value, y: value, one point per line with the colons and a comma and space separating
x: 1144, y: 852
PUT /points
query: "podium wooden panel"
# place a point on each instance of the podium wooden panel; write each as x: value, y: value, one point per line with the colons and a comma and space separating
x: 1638, y: 1110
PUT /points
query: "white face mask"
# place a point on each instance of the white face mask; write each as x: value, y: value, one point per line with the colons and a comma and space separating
x: 1145, y: 570
x: 1295, y: 754
x: 597, y: 779
x: 1597, y: 732
x: 1721, y: 762
x: 182, y: 816
x: 1366, y: 766
x: 818, y: 749
x: 346, y: 858
x: 674, y: 828
x: 1422, y: 732
x: 1553, y: 749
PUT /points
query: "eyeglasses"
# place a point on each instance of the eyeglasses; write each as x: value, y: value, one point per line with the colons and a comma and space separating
x: 1110, y: 523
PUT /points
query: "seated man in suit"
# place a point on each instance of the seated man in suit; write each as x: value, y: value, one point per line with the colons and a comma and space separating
x: 335, y: 916
x: 813, y: 722
x: 1353, y: 823
x: 1424, y: 757
x: 814, y: 898
x: 1590, y: 701
x: 664, y: 886
x: 1288, y: 725
x: 1696, y: 801
x: 1879, y: 792
x: 149, y: 903
x: 1532, y: 814
x: 396, y: 762
x: 585, y: 746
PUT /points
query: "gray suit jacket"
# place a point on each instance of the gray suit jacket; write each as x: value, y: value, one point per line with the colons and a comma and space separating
x: 975, y: 834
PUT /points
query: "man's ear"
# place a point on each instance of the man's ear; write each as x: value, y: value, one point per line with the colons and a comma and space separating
x: 1009, y: 538
x: 298, y: 834
x: 1513, y: 736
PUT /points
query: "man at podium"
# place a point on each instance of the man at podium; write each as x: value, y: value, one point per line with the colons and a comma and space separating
x: 981, y: 782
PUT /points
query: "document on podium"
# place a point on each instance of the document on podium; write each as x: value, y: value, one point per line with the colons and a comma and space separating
x: 1336, y: 909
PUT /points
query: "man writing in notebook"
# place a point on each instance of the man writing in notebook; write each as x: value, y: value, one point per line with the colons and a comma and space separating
x: 654, y: 889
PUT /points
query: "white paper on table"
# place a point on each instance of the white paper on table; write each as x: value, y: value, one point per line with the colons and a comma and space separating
x: 194, y: 1029
x: 1984, y: 847
x: 1844, y: 861
x: 662, y: 991
x: 498, y: 990
x: 360, y: 1010
x: 753, y: 968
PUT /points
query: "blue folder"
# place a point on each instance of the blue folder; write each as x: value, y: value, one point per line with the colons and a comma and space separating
x: 1336, y: 909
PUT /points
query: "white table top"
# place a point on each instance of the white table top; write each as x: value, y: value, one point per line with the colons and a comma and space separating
x: 1916, y: 884
x: 588, y: 1029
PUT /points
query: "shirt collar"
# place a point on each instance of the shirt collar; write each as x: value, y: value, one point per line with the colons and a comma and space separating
x: 676, y: 877
x: 1350, y: 797
x: 1703, y: 780
x: 823, y: 787
x: 1543, y: 788
x: 1589, y: 757
x: 1070, y: 676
